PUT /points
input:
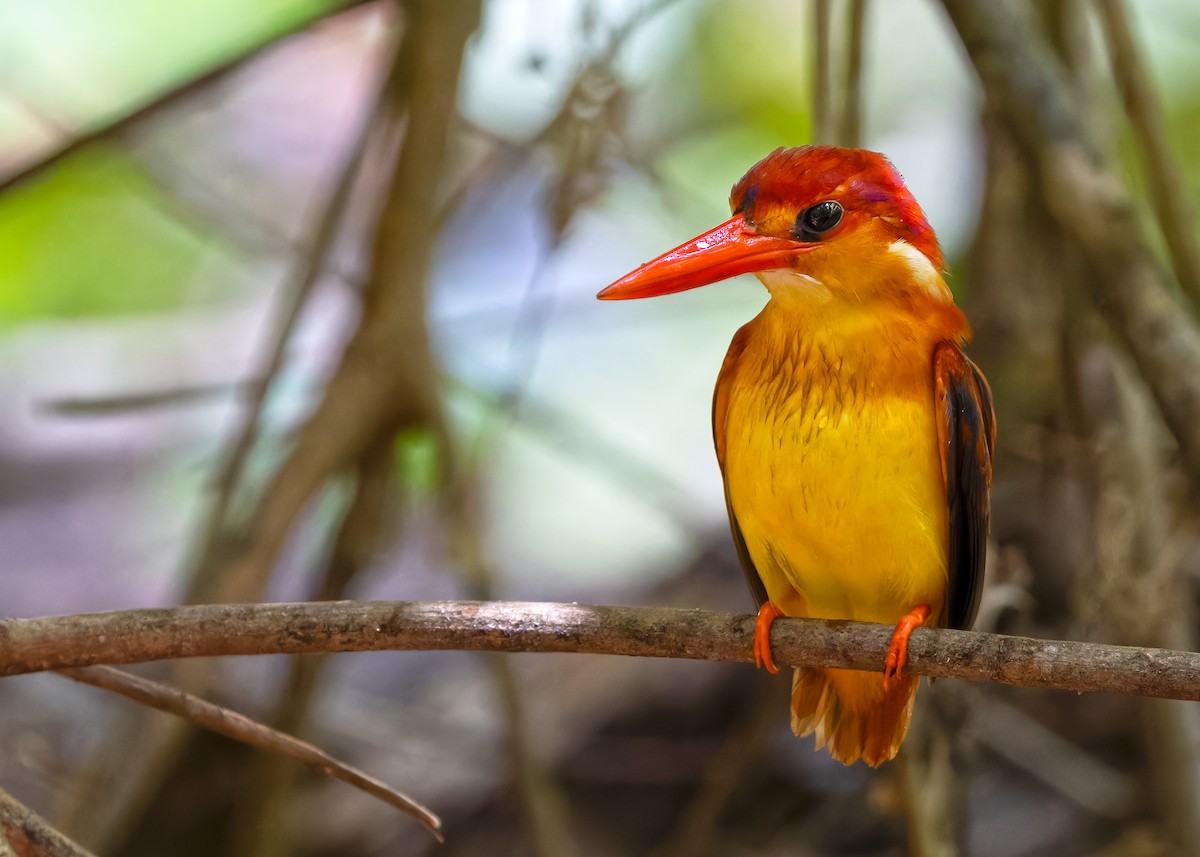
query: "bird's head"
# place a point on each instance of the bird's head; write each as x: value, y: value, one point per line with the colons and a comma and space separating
x: 820, y: 221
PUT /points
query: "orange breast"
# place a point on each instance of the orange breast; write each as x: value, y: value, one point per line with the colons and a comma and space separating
x: 831, y: 463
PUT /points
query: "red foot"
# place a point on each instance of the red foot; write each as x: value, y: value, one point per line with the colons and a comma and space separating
x: 897, y: 654
x: 767, y: 614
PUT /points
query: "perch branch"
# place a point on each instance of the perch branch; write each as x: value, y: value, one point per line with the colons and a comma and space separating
x: 241, y: 728
x: 134, y: 636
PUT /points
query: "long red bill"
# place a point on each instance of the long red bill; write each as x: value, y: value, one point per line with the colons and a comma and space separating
x: 722, y: 252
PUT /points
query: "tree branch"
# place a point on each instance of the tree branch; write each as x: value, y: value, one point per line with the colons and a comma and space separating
x: 1023, y: 81
x: 1168, y: 190
x: 850, y: 133
x: 237, y: 726
x: 135, y: 636
x: 25, y: 833
x: 302, y: 280
x: 822, y: 104
x: 386, y: 377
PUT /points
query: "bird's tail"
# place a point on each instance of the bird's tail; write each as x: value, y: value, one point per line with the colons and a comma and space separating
x: 851, y: 713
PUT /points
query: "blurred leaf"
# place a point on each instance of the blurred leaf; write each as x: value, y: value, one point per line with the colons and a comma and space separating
x: 94, y: 237
x: 757, y: 67
x: 417, y: 461
x: 81, y: 62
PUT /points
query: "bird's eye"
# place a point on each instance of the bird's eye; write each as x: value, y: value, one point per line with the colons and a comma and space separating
x: 817, y: 220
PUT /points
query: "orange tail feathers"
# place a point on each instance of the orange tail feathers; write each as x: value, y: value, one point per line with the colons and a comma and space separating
x: 852, y: 713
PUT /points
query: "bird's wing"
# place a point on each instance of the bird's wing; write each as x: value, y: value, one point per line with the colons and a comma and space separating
x: 719, y: 411
x: 966, y: 436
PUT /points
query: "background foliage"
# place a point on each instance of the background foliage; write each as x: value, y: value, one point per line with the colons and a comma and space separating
x: 288, y: 311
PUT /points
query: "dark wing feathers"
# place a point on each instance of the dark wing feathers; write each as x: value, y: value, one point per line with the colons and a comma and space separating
x: 967, y: 437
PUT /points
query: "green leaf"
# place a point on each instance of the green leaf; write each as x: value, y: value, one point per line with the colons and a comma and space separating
x: 418, y: 461
x: 95, y: 237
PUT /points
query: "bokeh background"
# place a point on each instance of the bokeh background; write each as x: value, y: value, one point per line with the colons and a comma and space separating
x: 297, y: 301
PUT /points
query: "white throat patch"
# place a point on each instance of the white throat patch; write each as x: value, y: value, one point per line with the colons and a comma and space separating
x: 782, y: 281
x: 922, y: 270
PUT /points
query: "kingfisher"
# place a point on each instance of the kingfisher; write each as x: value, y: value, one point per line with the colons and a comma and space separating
x: 854, y: 436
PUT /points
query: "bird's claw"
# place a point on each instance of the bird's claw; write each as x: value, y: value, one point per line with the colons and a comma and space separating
x: 767, y: 614
x: 897, y: 653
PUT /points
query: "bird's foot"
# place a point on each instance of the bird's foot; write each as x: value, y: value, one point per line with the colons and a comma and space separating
x: 897, y: 654
x: 767, y: 614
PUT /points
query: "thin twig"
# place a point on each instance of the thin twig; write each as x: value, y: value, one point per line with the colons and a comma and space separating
x: 387, y: 373
x: 726, y: 771
x: 158, y: 103
x: 241, y: 728
x: 1024, y: 742
x: 1168, y: 190
x: 931, y: 792
x: 135, y: 636
x: 26, y: 834
x: 304, y: 276
x: 124, y: 403
x: 545, y: 807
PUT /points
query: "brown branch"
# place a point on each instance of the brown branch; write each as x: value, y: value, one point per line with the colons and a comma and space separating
x: 386, y: 378
x: 1168, y: 191
x: 543, y: 802
x: 1023, y: 81
x: 822, y: 105
x: 241, y: 728
x: 124, y: 403
x: 269, y: 782
x: 28, y: 835
x: 1027, y: 744
x: 135, y: 636
x: 302, y: 280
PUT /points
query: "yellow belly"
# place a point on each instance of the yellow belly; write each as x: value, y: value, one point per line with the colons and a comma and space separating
x: 836, y: 483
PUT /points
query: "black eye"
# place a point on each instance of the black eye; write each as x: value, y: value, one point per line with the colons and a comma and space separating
x: 817, y: 219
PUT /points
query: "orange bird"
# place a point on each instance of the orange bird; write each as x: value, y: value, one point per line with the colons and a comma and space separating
x: 854, y: 437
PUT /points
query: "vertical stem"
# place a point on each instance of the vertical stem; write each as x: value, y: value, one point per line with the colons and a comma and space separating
x: 547, y: 812
x: 852, y: 108
x: 727, y: 770
x: 270, y: 782
x: 545, y: 807
x: 210, y: 547
x: 387, y: 375
x: 823, y: 126
x: 1167, y: 188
